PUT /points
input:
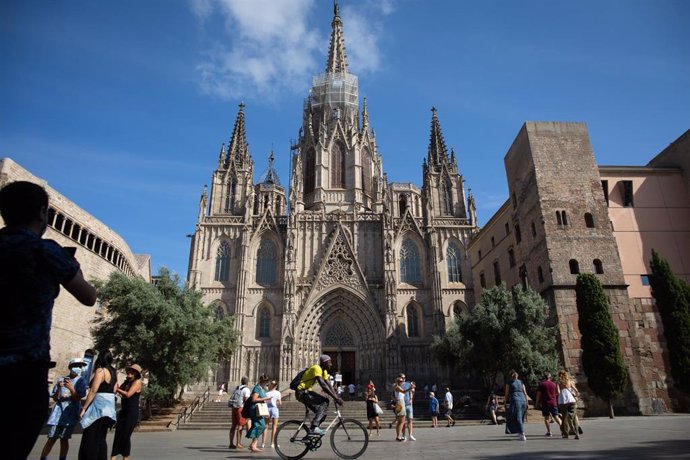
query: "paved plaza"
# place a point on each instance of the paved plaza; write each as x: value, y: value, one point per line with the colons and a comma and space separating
x: 661, y: 437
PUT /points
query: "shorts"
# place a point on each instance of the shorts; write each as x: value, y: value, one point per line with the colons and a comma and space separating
x: 60, y: 431
x: 434, y: 413
x: 546, y: 411
x: 237, y: 418
x: 449, y: 410
x: 273, y: 412
x: 409, y: 412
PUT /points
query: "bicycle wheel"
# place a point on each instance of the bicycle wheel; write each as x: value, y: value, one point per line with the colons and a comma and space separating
x: 289, y: 444
x: 349, y: 439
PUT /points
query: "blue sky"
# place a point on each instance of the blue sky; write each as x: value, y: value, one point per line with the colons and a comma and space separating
x: 122, y: 106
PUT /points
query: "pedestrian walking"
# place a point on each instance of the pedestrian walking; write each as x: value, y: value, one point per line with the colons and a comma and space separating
x: 516, y: 395
x: 239, y: 396
x: 221, y: 392
x: 567, y: 405
x: 449, y: 408
x: 258, y: 396
x: 273, y: 411
x: 128, y: 417
x: 373, y: 409
x: 433, y: 409
x: 547, y: 400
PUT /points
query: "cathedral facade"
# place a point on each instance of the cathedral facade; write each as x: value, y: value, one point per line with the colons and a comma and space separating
x: 342, y: 262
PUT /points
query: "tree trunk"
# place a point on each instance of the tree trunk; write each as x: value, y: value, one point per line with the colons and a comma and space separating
x: 611, y: 414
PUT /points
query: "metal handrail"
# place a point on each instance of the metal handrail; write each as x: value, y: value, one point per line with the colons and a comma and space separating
x: 187, y: 411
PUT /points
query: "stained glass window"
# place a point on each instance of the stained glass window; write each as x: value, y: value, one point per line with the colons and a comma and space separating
x: 223, y: 262
x: 266, y: 263
x: 453, y: 257
x: 264, y: 322
x: 409, y: 263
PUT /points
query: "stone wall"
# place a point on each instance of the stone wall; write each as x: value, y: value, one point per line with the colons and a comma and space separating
x: 72, y: 321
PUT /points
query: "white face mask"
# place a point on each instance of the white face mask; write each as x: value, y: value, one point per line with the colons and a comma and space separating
x: 77, y: 370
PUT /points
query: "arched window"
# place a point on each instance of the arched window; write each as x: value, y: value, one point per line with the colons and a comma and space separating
x: 218, y: 309
x: 309, y: 170
x: 447, y: 197
x: 412, y: 321
x: 409, y: 263
x: 402, y: 204
x: 453, y: 257
x: 574, y: 267
x: 230, y: 197
x: 366, y: 172
x: 540, y: 274
x: 565, y: 217
x: 337, y: 166
x: 558, y: 218
x: 589, y: 220
x: 598, y: 267
x: 264, y: 325
x: 223, y: 262
x: 266, y: 263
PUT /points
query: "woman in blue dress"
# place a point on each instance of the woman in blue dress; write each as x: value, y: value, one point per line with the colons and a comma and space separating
x: 516, y: 394
x: 258, y: 421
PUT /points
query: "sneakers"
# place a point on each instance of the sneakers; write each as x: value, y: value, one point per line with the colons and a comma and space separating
x: 319, y: 431
x: 412, y: 438
x: 548, y: 434
x: 522, y: 437
x: 273, y: 446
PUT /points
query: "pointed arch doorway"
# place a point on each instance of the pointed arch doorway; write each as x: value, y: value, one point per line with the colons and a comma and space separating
x: 344, y: 325
x: 339, y: 344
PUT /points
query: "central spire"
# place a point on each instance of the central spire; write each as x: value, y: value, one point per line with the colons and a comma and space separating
x: 337, y: 59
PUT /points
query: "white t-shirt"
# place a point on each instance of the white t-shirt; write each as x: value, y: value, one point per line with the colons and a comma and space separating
x: 449, y: 400
x: 275, y: 397
x: 246, y: 393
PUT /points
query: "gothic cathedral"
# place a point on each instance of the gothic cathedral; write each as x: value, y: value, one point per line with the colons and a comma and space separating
x: 346, y: 263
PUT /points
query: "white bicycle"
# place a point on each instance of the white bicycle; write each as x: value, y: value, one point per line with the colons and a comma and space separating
x: 349, y: 438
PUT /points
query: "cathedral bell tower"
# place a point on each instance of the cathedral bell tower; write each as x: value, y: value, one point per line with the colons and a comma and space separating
x: 336, y: 165
x: 442, y: 190
x: 231, y: 190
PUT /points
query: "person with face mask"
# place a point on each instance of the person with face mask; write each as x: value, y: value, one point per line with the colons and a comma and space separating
x: 67, y: 394
x: 32, y: 270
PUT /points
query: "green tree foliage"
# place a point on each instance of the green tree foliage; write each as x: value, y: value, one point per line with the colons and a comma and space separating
x: 602, y: 361
x: 505, y: 331
x: 672, y: 296
x: 164, y: 328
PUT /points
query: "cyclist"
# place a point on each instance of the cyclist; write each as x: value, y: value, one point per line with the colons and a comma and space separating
x: 316, y: 403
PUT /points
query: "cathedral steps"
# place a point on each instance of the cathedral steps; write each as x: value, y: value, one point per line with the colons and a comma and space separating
x: 218, y: 416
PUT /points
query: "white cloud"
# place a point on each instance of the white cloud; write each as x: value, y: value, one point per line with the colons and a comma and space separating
x: 361, y: 41
x: 269, y: 46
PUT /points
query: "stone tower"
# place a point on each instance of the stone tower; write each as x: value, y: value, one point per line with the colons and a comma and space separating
x: 561, y: 227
